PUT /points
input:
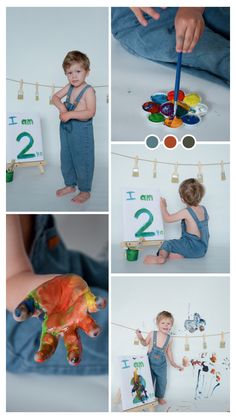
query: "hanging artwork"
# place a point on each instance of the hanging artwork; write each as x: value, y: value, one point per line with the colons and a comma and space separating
x: 196, y: 323
x: 136, y: 381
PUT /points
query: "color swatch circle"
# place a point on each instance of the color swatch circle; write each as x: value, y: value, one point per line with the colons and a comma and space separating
x: 152, y: 141
x: 170, y: 141
x: 188, y: 141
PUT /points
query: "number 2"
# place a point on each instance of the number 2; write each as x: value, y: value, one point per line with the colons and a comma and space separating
x: 22, y: 154
x: 141, y: 232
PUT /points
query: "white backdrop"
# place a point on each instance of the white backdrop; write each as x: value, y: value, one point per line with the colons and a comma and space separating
x: 216, y: 198
x: 142, y: 298
x: 37, y: 41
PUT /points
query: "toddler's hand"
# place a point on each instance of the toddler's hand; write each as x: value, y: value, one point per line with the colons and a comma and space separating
x: 189, y: 26
x: 62, y: 304
x: 138, y: 333
x: 163, y: 203
x: 64, y: 116
x: 139, y: 13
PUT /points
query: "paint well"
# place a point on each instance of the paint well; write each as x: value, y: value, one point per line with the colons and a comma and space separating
x: 156, y: 117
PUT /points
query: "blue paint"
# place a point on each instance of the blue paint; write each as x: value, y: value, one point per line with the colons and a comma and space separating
x: 177, y: 80
x: 190, y: 119
x: 159, y: 98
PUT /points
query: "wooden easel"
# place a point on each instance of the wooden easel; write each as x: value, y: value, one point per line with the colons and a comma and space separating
x: 149, y: 407
x: 40, y: 165
x: 142, y: 242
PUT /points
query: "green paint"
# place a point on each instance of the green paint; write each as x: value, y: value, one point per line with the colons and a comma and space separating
x: 22, y: 154
x: 141, y: 232
x: 156, y: 117
x: 139, y: 364
x: 27, y: 122
x: 132, y: 254
x: 146, y: 198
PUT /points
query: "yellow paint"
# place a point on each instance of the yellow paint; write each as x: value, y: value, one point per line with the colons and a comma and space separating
x: 192, y: 99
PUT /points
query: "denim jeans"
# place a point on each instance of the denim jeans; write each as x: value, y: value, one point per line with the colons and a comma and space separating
x: 156, y: 41
x: 49, y: 255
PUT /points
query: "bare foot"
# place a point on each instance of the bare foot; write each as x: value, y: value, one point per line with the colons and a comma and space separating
x: 154, y: 260
x: 65, y: 190
x: 161, y: 401
x: 81, y: 197
x: 175, y: 256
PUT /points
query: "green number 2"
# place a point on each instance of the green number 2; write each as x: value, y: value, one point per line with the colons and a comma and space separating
x: 141, y: 232
x: 22, y: 154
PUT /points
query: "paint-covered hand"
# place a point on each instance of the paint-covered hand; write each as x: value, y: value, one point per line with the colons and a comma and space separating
x: 189, y: 26
x: 63, y: 305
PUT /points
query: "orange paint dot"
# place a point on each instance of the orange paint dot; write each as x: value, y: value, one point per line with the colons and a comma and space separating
x: 170, y: 141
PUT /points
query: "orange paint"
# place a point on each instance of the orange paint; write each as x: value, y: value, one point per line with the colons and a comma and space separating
x: 173, y: 123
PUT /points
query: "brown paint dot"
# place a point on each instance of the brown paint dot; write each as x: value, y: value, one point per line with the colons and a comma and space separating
x: 170, y: 141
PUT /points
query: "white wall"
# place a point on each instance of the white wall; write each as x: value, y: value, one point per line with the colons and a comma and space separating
x: 141, y: 300
x: 216, y: 198
x: 37, y: 42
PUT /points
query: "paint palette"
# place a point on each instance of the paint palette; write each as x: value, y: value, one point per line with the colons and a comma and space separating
x: 189, y: 109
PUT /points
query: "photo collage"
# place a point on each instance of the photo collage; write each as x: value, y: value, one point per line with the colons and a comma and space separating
x: 117, y: 209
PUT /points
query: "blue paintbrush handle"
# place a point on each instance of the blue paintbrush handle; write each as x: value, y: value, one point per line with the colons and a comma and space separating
x: 177, y: 77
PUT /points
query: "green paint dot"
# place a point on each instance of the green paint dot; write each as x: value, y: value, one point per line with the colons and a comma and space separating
x: 156, y: 117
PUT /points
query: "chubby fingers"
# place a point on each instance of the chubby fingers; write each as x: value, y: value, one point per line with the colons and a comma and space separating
x: 48, y: 345
x: 25, y: 310
x: 73, y: 346
x: 139, y: 11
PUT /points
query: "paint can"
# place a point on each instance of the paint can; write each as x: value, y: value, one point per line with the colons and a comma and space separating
x: 9, y: 176
x: 132, y: 254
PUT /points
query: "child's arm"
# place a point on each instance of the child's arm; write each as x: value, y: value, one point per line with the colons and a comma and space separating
x: 171, y: 218
x: 189, y: 26
x: 57, y: 97
x: 20, y: 276
x: 89, y: 112
x: 171, y: 358
x: 144, y: 342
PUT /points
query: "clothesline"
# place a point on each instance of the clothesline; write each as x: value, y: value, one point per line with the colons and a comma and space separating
x: 168, y: 163
x: 174, y: 336
x: 48, y: 85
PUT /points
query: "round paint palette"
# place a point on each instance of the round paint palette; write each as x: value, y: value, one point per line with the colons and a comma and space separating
x: 188, y: 112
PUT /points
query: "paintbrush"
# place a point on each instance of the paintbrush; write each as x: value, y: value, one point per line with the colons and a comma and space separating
x: 177, y: 81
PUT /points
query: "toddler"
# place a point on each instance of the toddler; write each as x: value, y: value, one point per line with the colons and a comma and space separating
x: 194, y: 223
x: 159, y: 348
x: 76, y: 127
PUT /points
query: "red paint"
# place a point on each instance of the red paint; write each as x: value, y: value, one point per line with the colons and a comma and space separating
x: 171, y: 95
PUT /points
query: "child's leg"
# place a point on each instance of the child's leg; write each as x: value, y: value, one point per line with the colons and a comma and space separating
x: 83, y: 160
x: 67, y: 168
x: 157, y: 42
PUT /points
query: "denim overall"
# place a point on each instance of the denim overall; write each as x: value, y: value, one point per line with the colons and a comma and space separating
x: 157, y: 41
x: 49, y: 255
x: 190, y: 245
x: 158, y: 365
x: 77, y: 148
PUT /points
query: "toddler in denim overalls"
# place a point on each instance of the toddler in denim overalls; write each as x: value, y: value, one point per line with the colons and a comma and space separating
x: 195, y: 235
x: 49, y: 255
x: 157, y: 354
x: 76, y: 128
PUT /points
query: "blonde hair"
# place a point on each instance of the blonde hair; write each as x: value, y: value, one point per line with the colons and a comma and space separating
x: 191, y: 191
x: 164, y: 314
x: 76, y: 57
